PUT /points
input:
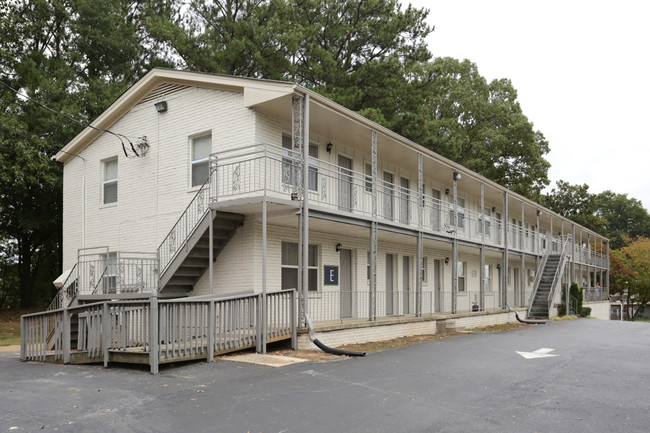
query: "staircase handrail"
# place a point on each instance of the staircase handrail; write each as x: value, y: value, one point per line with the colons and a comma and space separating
x: 59, y: 300
x: 558, y: 272
x: 166, y: 259
x: 536, y: 282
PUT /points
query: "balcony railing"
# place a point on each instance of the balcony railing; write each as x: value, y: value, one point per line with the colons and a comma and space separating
x: 275, y: 171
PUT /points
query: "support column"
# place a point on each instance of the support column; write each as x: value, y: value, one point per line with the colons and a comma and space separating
x: 454, y: 270
x: 211, y: 251
x: 305, y: 207
x: 298, y: 134
x: 504, y: 275
x: 481, y: 301
x: 264, y: 275
x: 420, y: 240
x: 522, y: 273
x: 549, y: 243
x: 372, y: 304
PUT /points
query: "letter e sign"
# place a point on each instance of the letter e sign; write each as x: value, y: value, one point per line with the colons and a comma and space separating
x: 331, y: 275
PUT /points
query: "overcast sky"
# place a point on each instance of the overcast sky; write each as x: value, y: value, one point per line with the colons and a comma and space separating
x: 582, y: 72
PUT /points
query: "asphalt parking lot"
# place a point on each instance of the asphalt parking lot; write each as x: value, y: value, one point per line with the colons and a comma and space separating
x: 596, y: 382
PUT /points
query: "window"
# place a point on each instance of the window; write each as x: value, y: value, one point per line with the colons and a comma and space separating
x: 487, y: 281
x: 488, y: 221
x: 200, y: 159
x: 290, y: 266
x: 110, y: 181
x: 313, y: 167
x: 461, y: 275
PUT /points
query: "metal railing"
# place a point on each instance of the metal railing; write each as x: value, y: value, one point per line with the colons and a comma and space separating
x: 558, y: 273
x: 275, y: 171
x: 187, y: 222
x: 593, y: 294
x: 538, y: 278
x: 171, y: 329
x: 327, y: 306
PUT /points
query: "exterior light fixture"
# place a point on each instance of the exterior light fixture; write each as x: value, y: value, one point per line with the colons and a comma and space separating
x: 446, y: 191
x: 338, y: 247
x: 539, y: 212
x: 161, y: 106
x: 498, y: 266
x: 446, y: 260
x: 329, y: 147
x: 457, y: 175
x: 494, y: 209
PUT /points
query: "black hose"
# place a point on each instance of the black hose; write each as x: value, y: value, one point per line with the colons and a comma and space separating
x: 328, y: 349
x: 335, y: 351
x: 528, y: 322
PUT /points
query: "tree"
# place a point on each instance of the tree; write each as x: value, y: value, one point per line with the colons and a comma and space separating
x: 461, y: 116
x: 76, y: 57
x: 577, y: 204
x: 636, y: 256
x: 625, y: 216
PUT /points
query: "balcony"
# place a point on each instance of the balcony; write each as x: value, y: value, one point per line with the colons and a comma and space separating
x: 273, y: 171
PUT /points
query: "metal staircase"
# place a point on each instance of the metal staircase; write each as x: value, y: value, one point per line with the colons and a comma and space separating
x: 546, y: 282
x: 193, y: 258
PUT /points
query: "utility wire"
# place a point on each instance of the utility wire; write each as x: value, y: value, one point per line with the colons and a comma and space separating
x: 88, y: 125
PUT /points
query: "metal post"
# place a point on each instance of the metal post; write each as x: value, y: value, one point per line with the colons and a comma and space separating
x: 454, y: 270
x: 504, y: 276
x: 482, y: 252
x: 211, y: 252
x: 372, y: 313
x: 263, y: 306
x: 298, y: 137
x: 481, y: 306
x: 305, y: 206
x: 420, y: 240
x: 549, y: 245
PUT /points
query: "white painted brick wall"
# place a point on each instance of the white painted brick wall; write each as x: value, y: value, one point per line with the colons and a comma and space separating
x: 154, y: 190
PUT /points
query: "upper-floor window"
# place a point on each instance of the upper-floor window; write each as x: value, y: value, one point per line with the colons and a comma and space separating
x: 109, y: 183
x: 201, y: 147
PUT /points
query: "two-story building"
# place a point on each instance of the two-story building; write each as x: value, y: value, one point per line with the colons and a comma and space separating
x: 211, y: 185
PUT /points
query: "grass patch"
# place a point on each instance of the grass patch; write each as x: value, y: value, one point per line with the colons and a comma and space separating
x: 376, y: 346
x: 560, y: 318
x: 10, y: 326
x: 498, y: 328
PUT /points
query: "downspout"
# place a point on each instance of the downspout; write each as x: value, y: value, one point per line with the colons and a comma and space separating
x: 529, y: 322
x: 325, y: 348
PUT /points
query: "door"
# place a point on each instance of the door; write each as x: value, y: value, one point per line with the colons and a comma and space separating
x: 388, y: 195
x: 435, y: 210
x: 406, y: 283
x: 404, y: 200
x: 437, y: 280
x: 389, y: 284
x: 345, y: 183
x: 345, y: 283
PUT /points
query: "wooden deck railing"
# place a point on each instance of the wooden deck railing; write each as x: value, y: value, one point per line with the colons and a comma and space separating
x: 163, y: 330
